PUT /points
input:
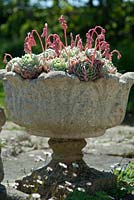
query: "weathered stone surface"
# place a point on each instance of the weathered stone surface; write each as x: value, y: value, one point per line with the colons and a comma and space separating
x: 2, y: 73
x: 60, y: 106
x: 117, y: 141
x: 67, y: 150
x: 11, y: 194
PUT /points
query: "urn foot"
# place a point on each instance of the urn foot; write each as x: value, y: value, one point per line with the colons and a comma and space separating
x: 66, y: 172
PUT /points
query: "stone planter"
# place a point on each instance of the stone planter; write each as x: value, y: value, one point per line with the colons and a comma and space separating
x: 67, y: 110
x: 59, y: 106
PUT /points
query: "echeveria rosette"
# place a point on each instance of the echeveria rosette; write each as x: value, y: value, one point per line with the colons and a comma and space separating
x: 14, y: 65
x: 28, y: 66
x: 58, y: 64
x: 89, y: 62
x: 71, y: 52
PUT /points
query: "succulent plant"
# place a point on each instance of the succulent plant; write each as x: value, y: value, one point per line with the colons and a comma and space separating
x: 89, y: 62
x: 30, y: 66
x: 108, y: 67
x: 58, y: 64
x: 14, y: 65
x: 71, y: 52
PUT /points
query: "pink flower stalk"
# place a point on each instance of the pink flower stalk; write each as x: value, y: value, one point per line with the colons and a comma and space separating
x: 93, y: 32
x: 5, y: 57
x: 77, y: 37
x: 72, y: 41
x: 89, y: 36
x: 115, y: 51
x: 55, y: 44
x: 102, y: 45
x: 101, y: 36
x: 89, y: 40
x: 29, y: 42
x: 79, y: 44
x: 45, y: 34
x: 64, y: 26
x: 106, y: 49
x: 48, y: 41
x: 101, y: 29
x: 35, y: 31
x: 27, y: 48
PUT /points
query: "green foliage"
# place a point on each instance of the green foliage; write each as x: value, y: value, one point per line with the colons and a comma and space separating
x: 125, y: 178
x: 77, y: 195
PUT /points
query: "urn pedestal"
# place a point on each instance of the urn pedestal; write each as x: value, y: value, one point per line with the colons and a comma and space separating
x: 67, y: 171
x: 67, y: 110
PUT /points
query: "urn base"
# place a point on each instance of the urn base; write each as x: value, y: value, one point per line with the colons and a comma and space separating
x: 66, y: 172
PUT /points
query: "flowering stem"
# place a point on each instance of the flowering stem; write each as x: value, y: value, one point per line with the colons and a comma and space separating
x: 65, y: 49
x: 115, y: 51
x: 93, y: 58
x: 5, y: 57
x: 65, y: 35
x: 46, y: 42
x: 95, y: 49
x: 35, y: 31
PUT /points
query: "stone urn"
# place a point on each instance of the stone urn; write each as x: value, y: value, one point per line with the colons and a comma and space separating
x: 67, y: 110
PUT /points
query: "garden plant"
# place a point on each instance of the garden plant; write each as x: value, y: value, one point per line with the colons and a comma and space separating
x: 88, y: 62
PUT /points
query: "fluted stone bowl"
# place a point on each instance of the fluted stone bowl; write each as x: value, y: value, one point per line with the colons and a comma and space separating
x: 58, y: 105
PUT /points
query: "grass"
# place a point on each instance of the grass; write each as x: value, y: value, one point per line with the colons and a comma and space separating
x: 125, y: 178
x: 2, y: 103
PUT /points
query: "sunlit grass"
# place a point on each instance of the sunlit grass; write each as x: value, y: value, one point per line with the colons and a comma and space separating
x: 2, y: 104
